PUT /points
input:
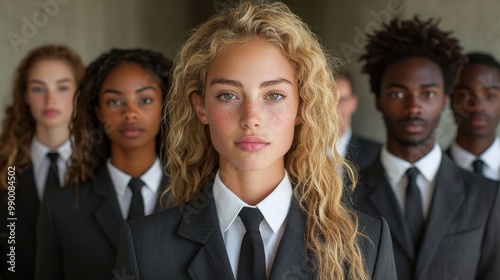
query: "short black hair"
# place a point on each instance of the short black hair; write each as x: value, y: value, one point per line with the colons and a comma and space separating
x: 401, y: 39
x: 483, y: 59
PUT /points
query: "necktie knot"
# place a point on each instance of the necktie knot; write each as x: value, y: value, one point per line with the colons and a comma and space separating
x: 412, y: 174
x: 251, y: 218
x: 53, y: 156
x: 135, y: 185
x: 136, y: 209
x: 478, y: 166
x: 52, y: 181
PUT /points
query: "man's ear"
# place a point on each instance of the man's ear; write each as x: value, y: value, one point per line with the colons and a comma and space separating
x: 199, y: 107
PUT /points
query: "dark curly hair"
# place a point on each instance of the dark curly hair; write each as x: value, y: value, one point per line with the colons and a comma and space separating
x: 412, y: 38
x: 91, y: 146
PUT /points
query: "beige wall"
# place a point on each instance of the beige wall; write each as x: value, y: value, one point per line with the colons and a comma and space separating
x: 93, y: 26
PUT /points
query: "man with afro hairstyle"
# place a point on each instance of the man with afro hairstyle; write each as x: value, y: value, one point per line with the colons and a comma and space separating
x: 444, y: 221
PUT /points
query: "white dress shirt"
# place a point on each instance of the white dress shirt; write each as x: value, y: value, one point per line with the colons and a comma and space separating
x: 151, y: 178
x: 343, y: 143
x: 41, y: 163
x: 396, y: 168
x: 490, y: 157
x: 274, y: 208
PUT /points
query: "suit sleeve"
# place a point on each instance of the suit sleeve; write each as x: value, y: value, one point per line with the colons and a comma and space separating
x: 385, y: 268
x: 126, y: 261
x: 489, y: 268
x: 48, y: 254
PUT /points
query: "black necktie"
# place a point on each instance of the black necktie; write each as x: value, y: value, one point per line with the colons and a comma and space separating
x: 136, y: 209
x: 478, y: 166
x: 252, y: 263
x: 52, y: 181
x: 414, y: 212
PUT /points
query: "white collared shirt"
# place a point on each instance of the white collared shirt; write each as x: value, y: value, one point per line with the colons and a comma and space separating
x: 428, y: 166
x: 151, y: 178
x: 41, y: 163
x: 490, y: 157
x: 274, y: 208
x: 343, y: 143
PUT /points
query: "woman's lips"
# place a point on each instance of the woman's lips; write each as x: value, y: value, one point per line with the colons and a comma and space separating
x: 251, y: 143
x: 131, y: 132
x: 50, y: 112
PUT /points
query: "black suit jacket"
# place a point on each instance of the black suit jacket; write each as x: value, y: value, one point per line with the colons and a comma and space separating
x: 462, y: 234
x: 27, y: 205
x: 186, y: 242
x: 78, y: 231
x: 362, y: 151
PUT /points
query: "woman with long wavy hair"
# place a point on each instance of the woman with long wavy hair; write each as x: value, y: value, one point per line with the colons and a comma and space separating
x: 251, y: 113
x: 35, y: 145
x: 115, y: 172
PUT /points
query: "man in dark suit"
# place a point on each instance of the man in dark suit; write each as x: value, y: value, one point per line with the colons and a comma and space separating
x: 444, y: 221
x: 475, y: 102
x: 354, y: 148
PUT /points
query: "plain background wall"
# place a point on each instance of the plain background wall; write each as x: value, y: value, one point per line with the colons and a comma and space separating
x: 94, y: 26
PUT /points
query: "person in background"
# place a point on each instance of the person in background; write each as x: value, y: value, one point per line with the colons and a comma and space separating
x: 251, y: 111
x: 444, y: 221
x: 475, y: 102
x: 115, y: 173
x: 34, y: 148
x: 354, y: 148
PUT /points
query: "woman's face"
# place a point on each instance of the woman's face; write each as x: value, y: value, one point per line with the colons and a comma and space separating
x: 49, y: 95
x: 130, y: 103
x: 250, y: 105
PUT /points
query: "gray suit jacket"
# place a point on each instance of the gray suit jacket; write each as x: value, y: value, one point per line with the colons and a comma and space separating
x: 462, y: 234
x: 80, y: 241
x: 362, y: 151
x: 185, y: 242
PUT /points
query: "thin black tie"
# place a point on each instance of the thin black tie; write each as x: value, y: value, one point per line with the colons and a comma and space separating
x: 414, y: 212
x: 136, y: 209
x: 252, y: 263
x: 52, y: 181
x: 478, y: 166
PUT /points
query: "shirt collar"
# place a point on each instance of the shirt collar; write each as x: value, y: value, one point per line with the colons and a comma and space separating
x: 38, y: 151
x: 151, y: 178
x: 343, y: 143
x: 490, y: 157
x: 274, y: 207
x: 427, y: 165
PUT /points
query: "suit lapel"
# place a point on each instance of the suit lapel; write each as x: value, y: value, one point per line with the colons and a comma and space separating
x: 449, y: 194
x: 291, y: 256
x: 380, y: 193
x: 163, y: 185
x: 200, y: 224
x: 29, y: 200
x: 108, y: 214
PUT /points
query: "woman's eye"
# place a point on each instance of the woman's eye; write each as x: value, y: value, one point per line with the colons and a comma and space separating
x: 146, y: 100
x: 63, y: 88
x: 37, y: 89
x: 275, y: 96
x: 227, y: 96
x: 114, y: 102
